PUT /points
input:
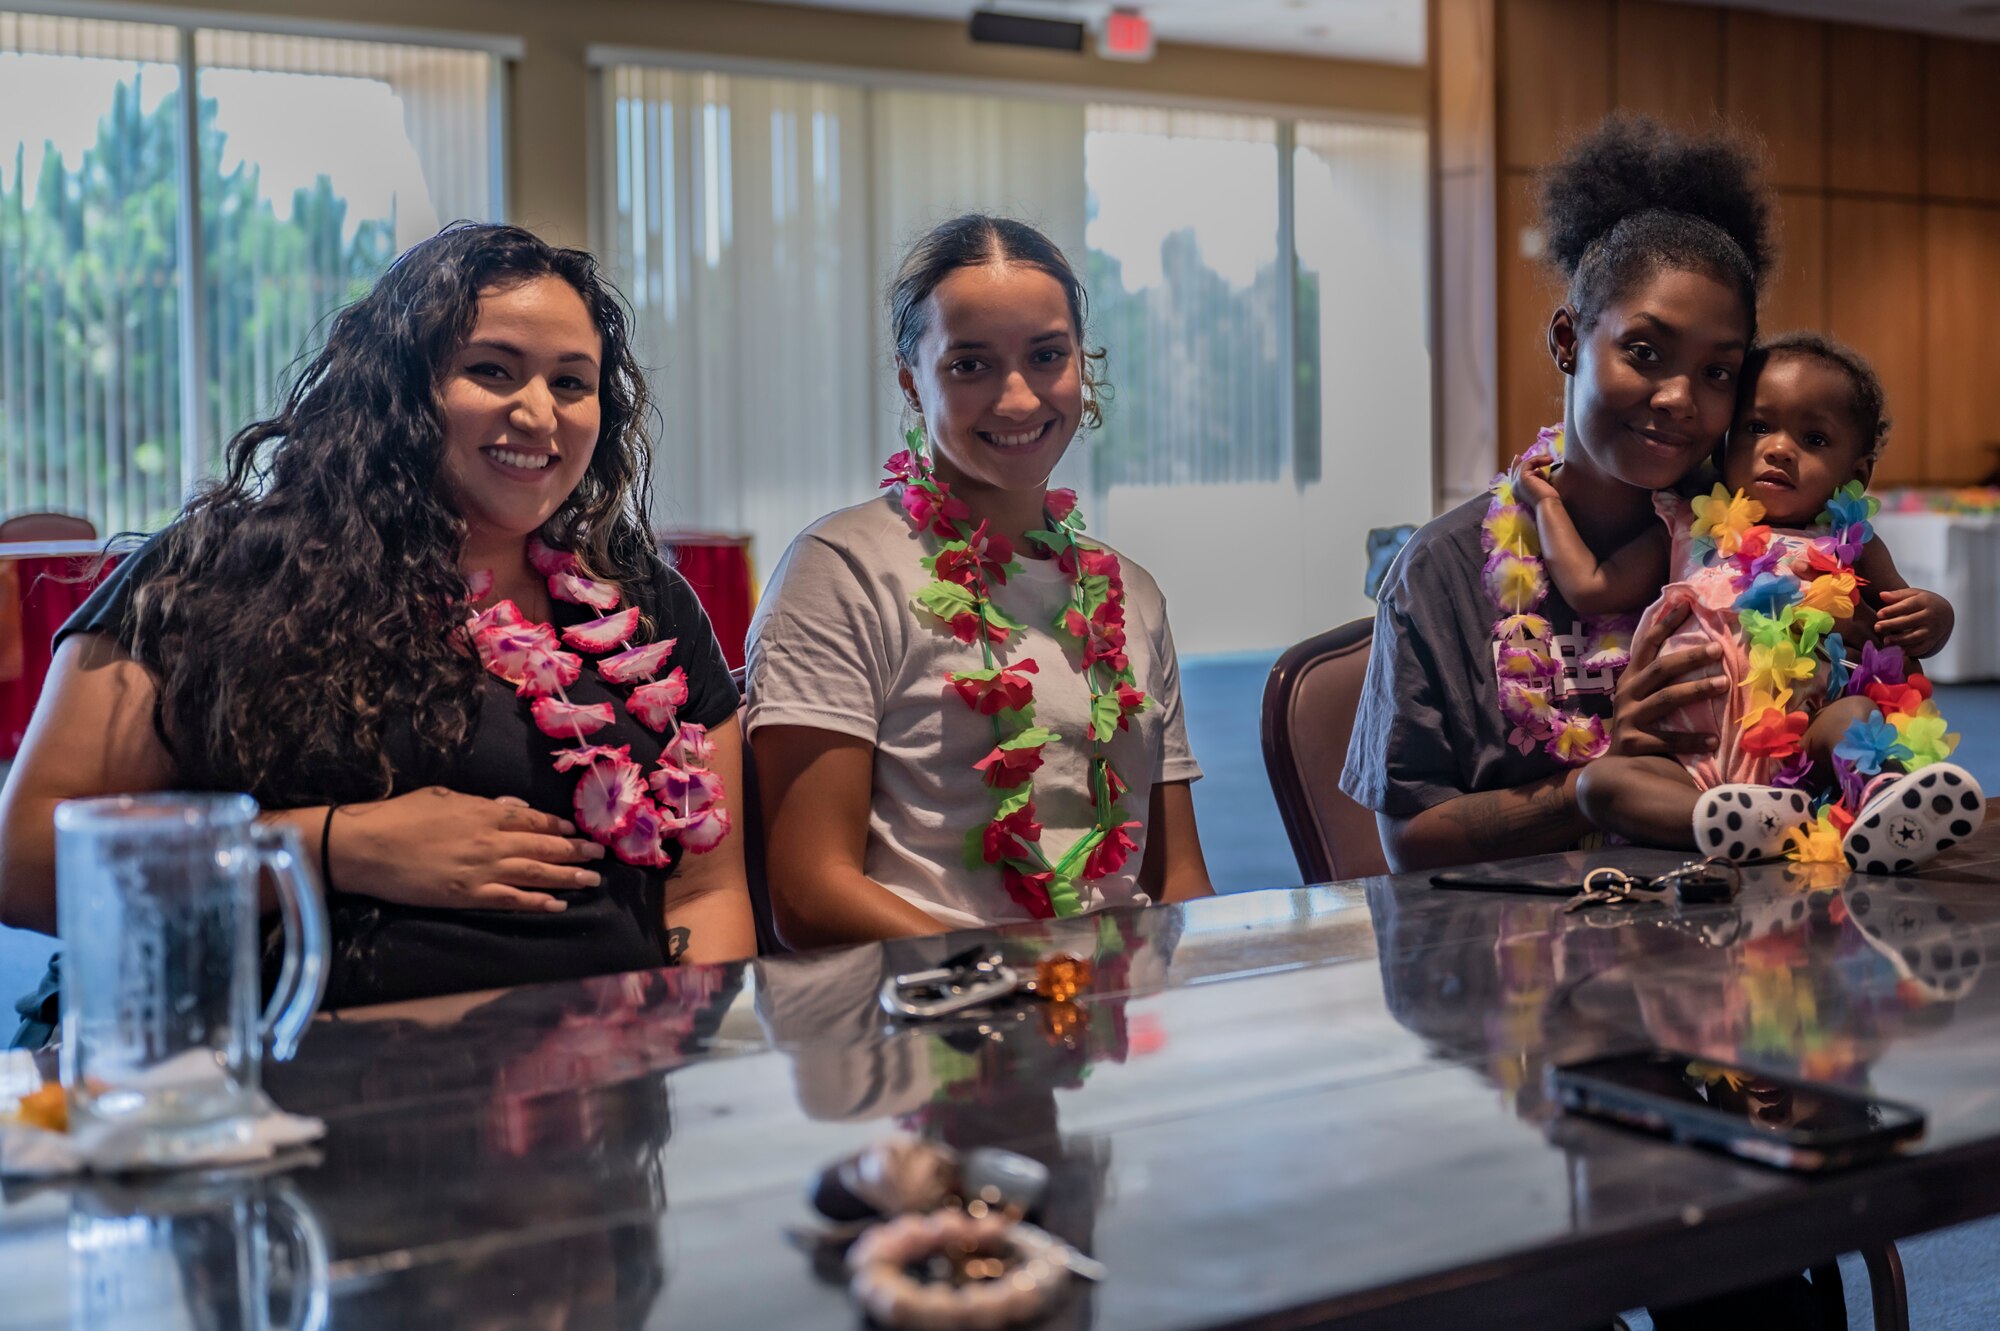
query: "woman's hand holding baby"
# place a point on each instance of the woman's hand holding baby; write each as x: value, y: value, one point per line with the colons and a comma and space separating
x: 1655, y: 686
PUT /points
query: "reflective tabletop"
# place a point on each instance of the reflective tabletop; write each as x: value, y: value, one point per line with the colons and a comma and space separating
x: 1283, y: 1108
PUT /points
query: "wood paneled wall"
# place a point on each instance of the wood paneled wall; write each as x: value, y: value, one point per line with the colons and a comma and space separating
x: 1886, y: 166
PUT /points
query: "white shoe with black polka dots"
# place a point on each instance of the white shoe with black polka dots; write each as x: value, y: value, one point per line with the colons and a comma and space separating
x: 1740, y: 823
x: 1913, y: 818
x: 1928, y: 943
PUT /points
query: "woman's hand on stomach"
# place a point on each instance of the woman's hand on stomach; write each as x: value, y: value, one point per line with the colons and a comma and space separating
x: 437, y: 848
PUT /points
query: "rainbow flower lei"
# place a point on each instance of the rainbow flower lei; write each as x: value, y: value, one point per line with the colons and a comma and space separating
x: 1525, y: 660
x: 968, y: 562
x: 1788, y: 626
x: 618, y: 804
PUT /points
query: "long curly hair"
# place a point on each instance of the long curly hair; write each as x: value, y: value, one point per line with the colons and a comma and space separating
x: 307, y: 607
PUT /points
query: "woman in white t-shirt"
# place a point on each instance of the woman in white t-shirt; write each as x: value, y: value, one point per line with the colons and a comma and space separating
x: 964, y: 711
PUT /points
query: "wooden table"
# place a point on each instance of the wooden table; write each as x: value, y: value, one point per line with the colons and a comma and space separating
x: 1276, y: 1109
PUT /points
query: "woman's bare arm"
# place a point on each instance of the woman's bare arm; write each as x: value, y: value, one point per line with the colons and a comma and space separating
x: 816, y: 786
x: 92, y: 734
x: 1539, y: 817
x: 1173, y: 868
x: 708, y: 898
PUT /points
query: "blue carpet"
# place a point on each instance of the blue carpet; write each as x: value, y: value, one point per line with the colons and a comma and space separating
x: 1222, y: 698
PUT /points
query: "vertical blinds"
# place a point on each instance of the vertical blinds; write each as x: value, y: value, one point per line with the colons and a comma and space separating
x: 317, y: 161
x: 754, y: 224
x: 89, y: 343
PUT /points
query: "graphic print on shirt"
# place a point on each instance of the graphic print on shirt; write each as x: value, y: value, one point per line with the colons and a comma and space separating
x: 1569, y: 649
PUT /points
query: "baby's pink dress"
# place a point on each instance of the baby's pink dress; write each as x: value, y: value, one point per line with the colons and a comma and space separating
x: 1711, y: 591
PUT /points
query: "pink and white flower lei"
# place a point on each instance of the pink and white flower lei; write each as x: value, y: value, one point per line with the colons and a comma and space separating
x: 968, y: 563
x: 618, y: 804
x: 1524, y: 657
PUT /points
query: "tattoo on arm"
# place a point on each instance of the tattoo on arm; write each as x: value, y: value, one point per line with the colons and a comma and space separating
x: 677, y: 946
x: 1496, y: 821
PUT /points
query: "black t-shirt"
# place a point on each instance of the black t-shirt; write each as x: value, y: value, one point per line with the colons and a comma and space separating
x: 1429, y: 726
x: 383, y: 952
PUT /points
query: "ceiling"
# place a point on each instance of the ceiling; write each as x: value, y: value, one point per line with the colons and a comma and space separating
x: 1392, y: 31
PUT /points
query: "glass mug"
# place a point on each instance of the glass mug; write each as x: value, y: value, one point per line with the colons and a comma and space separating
x: 156, y: 902
x: 196, y: 1251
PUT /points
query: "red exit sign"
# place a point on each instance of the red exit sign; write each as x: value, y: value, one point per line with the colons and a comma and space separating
x: 1128, y: 35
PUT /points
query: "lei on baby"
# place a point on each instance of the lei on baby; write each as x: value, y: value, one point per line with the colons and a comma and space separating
x: 968, y: 563
x: 1788, y: 624
x: 1526, y: 659
x: 618, y: 804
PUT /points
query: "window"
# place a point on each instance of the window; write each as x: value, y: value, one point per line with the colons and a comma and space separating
x: 1257, y: 281
x: 128, y: 353
x: 737, y: 226
x: 753, y: 223
x: 1185, y: 282
x: 90, y: 345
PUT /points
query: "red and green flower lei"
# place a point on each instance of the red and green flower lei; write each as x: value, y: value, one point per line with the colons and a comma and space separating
x: 968, y: 563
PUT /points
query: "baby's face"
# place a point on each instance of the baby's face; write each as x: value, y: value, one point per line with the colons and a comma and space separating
x: 1795, y: 440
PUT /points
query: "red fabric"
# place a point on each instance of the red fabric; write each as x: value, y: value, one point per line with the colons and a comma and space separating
x: 42, y: 599
x: 718, y: 568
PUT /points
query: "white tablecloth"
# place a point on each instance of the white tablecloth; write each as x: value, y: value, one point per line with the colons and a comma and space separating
x: 1957, y: 557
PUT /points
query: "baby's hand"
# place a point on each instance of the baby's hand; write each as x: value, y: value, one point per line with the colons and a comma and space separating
x: 1533, y: 489
x: 1918, y: 621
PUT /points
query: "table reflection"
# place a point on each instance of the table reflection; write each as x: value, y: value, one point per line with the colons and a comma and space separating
x: 1810, y: 973
x: 222, y: 1250
x: 575, y: 1117
x: 986, y: 1079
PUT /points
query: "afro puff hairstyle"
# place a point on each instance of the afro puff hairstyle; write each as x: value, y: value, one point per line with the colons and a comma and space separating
x: 1633, y: 198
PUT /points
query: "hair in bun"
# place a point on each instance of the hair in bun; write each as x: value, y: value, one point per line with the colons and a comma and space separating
x: 1632, y: 198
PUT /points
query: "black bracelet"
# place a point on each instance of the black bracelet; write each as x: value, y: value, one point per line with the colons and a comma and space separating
x: 326, y: 851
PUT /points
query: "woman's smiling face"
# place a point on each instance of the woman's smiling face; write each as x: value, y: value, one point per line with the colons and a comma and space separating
x: 521, y: 407
x: 998, y: 377
x: 1654, y: 377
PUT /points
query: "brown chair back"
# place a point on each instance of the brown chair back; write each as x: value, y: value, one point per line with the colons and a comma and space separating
x: 47, y: 527
x: 1309, y: 705
x: 750, y: 826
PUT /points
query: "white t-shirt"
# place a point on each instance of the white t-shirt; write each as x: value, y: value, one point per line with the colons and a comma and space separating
x: 837, y: 645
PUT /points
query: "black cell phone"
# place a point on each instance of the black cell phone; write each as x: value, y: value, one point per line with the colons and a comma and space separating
x: 1779, y: 1121
x: 1549, y: 882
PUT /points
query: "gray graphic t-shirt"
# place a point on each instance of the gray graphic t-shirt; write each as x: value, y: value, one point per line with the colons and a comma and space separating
x: 1429, y: 726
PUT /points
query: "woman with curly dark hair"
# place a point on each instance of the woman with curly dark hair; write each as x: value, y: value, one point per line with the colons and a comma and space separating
x: 471, y: 438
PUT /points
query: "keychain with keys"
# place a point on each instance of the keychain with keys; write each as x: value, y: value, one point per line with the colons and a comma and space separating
x: 1698, y: 882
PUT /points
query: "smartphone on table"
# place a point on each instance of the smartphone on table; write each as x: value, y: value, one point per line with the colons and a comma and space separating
x: 1774, y: 1120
